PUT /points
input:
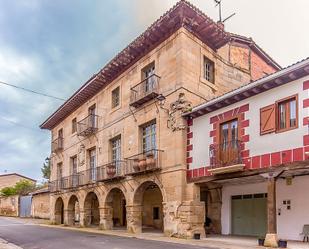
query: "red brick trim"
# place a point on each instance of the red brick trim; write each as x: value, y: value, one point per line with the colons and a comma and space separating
x: 306, y: 85
x: 189, y: 142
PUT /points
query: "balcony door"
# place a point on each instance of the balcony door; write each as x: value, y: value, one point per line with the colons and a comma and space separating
x: 74, y: 171
x: 116, y: 153
x: 92, y: 117
x: 92, y: 164
x: 149, y: 71
x: 59, y: 175
x: 228, y: 148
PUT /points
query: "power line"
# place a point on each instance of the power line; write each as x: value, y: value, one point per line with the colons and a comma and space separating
x: 21, y: 125
x: 31, y: 91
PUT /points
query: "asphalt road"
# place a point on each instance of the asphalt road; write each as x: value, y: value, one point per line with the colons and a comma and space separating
x: 31, y: 236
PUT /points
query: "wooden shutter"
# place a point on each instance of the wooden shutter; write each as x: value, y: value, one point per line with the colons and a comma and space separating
x: 267, y: 119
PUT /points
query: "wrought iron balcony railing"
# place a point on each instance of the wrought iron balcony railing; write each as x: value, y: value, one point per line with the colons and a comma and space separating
x: 144, y: 91
x: 225, y: 154
x: 144, y: 162
x: 87, y: 126
x: 55, y: 186
x: 57, y: 145
x: 110, y: 171
x: 71, y: 181
x: 88, y: 176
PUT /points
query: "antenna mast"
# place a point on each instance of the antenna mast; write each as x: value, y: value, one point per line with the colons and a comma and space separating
x: 219, y: 3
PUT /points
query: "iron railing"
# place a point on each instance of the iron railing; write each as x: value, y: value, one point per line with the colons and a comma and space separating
x: 87, y: 176
x: 225, y: 154
x: 111, y: 170
x: 71, y: 181
x: 144, y: 91
x: 144, y: 162
x: 88, y: 125
x: 57, y: 144
x: 55, y: 186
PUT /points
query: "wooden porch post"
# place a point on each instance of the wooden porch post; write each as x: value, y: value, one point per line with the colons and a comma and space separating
x: 271, y: 239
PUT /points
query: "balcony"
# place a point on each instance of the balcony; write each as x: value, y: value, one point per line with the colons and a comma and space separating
x: 111, y: 171
x: 147, y: 90
x: 57, y: 145
x: 144, y: 162
x: 226, y: 157
x: 88, y: 176
x: 70, y: 182
x: 55, y: 186
x: 87, y: 126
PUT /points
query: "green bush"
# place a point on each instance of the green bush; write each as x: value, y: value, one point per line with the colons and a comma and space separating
x: 23, y: 187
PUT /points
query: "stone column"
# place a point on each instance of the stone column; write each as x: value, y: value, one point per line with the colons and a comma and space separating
x: 66, y: 217
x: 271, y: 239
x: 106, y: 218
x: 134, y: 219
x: 81, y: 218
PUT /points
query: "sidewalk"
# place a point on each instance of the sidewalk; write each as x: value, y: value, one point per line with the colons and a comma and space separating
x: 222, y: 242
x: 5, y: 245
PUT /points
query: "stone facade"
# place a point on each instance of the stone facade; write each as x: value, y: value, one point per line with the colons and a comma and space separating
x: 9, y: 206
x: 40, y: 206
x: 9, y: 180
x: 160, y: 199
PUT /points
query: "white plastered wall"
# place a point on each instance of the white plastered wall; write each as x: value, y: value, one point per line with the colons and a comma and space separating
x: 290, y: 222
x: 258, y: 144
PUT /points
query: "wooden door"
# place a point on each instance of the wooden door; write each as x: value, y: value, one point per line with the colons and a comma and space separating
x: 228, y: 147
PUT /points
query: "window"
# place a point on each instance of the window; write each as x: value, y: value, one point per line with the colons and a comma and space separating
x: 209, y: 70
x: 115, y: 97
x: 74, y: 165
x: 149, y: 137
x: 148, y: 76
x: 287, y: 114
x: 92, y: 164
x: 116, y: 149
x: 59, y: 171
x: 60, y: 133
x: 92, y: 117
x: 279, y: 117
x: 74, y: 125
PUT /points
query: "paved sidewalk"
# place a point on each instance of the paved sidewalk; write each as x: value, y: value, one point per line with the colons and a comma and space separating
x: 222, y: 242
x: 5, y: 245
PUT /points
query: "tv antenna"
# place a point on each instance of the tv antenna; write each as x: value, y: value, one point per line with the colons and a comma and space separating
x: 219, y: 3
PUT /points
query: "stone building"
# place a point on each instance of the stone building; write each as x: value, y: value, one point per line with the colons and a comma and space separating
x: 119, y: 143
x: 9, y: 180
x: 40, y: 206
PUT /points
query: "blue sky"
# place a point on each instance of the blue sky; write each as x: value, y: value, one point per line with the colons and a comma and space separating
x: 54, y: 46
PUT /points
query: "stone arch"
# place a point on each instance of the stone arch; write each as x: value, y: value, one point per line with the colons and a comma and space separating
x: 73, y: 209
x: 59, y: 211
x: 114, y: 209
x: 148, y: 201
x: 91, y: 209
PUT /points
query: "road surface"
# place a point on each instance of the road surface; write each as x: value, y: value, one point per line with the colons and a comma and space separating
x: 32, y: 236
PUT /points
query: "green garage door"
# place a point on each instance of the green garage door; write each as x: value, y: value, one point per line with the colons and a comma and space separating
x: 249, y: 214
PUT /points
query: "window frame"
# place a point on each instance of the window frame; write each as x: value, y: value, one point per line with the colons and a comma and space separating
x: 113, y: 95
x: 287, y: 100
x: 143, y: 137
x: 211, y: 70
x: 113, y: 148
x: 74, y: 125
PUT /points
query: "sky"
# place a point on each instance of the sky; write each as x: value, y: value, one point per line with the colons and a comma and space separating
x: 54, y: 46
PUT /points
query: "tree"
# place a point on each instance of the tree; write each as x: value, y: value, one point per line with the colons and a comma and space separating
x: 23, y: 187
x: 46, y: 169
x: 8, y: 191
